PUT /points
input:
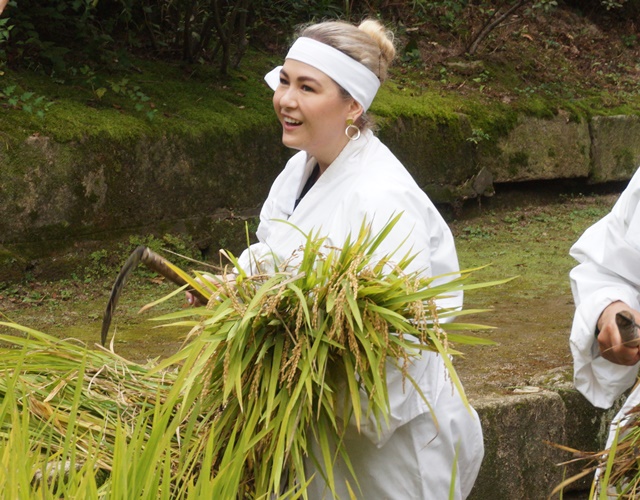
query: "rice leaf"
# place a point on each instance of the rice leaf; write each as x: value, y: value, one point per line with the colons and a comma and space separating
x: 273, y: 366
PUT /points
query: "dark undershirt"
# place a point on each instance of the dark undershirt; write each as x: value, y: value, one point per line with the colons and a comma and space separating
x: 315, y: 173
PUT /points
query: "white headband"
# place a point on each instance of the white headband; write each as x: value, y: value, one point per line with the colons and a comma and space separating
x: 353, y: 76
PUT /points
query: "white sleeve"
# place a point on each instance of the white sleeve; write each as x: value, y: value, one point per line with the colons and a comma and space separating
x: 601, y: 381
x: 258, y: 258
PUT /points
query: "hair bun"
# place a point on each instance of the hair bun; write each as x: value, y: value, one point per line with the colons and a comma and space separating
x: 382, y: 36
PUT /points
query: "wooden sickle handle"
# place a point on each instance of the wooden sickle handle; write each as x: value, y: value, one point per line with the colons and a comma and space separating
x: 154, y: 262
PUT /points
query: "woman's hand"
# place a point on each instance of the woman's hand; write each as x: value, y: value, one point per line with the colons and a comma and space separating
x: 610, y: 342
x: 212, y: 283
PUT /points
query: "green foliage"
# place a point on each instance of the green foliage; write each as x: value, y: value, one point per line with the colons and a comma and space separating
x: 412, y: 57
x: 102, y: 263
x: 122, y: 89
x: 630, y: 40
x: 63, y: 34
x: 27, y: 101
x: 613, y: 4
x: 287, y: 14
x: 5, y: 31
x: 605, y: 7
x: 448, y: 13
x: 99, y: 266
x: 9, y: 289
x: 60, y: 36
x: 133, y: 92
x: 476, y: 233
x: 48, y: 35
x: 545, y: 5
x: 478, y: 135
x: 176, y: 244
x: 444, y: 75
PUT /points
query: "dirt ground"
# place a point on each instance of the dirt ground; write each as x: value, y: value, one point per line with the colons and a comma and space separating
x: 531, y: 339
x: 527, y: 234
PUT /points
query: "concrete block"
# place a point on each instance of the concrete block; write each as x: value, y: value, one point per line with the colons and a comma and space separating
x: 519, y: 462
x: 539, y: 149
x: 615, y: 147
x: 519, y: 432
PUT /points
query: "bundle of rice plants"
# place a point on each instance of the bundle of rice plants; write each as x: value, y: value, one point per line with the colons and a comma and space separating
x: 615, y: 470
x: 273, y: 363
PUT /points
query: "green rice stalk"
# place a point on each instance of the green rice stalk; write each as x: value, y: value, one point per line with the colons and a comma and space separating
x: 618, y: 467
x: 292, y: 357
x: 274, y: 363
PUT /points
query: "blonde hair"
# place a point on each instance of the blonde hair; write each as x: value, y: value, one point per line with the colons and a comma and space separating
x: 369, y: 43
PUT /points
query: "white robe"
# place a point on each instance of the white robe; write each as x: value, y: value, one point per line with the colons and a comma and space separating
x: 410, y: 459
x: 609, y: 270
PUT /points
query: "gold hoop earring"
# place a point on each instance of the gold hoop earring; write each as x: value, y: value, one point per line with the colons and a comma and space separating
x: 353, y: 136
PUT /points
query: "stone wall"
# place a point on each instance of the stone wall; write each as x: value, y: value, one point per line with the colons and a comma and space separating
x: 450, y: 167
x: 615, y: 147
x: 54, y: 196
x: 542, y: 149
x: 524, y: 436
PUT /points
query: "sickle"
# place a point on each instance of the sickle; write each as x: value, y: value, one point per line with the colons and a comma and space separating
x: 628, y: 328
x: 154, y: 262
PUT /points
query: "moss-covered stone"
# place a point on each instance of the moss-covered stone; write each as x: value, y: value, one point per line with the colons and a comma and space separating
x: 96, y: 167
x: 615, y: 147
x: 435, y: 151
x: 518, y: 461
x: 542, y: 148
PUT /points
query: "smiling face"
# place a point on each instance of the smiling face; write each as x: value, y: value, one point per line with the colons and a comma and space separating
x: 313, y: 111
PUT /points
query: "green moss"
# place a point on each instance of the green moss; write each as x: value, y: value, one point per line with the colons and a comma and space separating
x: 194, y: 100
x: 205, y: 124
x: 185, y: 102
x: 7, y: 257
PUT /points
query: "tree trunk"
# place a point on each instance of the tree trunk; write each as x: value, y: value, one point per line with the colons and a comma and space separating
x: 223, y: 37
x: 492, y: 24
x: 186, y: 36
x: 241, y: 32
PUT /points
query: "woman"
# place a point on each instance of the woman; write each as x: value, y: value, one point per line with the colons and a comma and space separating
x: 342, y: 176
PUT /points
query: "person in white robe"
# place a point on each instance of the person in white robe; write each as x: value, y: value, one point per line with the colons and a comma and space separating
x: 605, y: 282
x: 411, y: 459
x: 341, y: 177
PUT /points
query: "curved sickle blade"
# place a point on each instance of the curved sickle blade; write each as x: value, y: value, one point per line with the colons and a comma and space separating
x: 154, y: 262
x: 628, y: 328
